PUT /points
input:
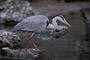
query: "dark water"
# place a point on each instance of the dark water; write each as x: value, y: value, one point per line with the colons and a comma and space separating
x: 67, y: 47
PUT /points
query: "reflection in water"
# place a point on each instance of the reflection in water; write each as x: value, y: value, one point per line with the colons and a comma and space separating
x: 43, y: 36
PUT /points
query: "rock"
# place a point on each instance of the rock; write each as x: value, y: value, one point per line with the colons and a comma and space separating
x: 21, y: 53
x: 9, y: 39
x: 87, y: 15
x: 14, y: 10
x: 60, y: 31
x: 49, y: 34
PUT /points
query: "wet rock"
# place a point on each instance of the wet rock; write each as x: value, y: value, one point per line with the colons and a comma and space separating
x: 14, y: 10
x: 87, y: 15
x: 21, y: 53
x: 9, y: 39
x: 85, y: 40
x: 60, y: 31
x: 48, y: 34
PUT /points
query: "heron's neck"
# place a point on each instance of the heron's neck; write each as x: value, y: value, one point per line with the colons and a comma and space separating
x: 54, y: 21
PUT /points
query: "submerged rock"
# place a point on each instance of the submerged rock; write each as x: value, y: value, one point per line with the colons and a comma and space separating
x: 48, y: 34
x: 21, y: 53
x: 14, y: 10
x: 61, y: 30
x: 9, y: 39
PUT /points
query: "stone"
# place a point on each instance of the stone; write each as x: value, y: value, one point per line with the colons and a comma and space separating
x: 14, y: 10
x: 9, y: 39
x: 21, y: 53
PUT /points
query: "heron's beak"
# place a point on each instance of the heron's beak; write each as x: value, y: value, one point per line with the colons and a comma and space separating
x: 67, y: 23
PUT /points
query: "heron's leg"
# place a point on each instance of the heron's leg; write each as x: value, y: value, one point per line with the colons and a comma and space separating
x: 34, y: 45
x: 32, y: 36
x: 31, y: 40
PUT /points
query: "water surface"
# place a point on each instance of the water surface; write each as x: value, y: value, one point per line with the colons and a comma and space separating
x: 67, y: 47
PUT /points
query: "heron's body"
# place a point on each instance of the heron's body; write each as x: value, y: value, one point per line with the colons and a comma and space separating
x: 35, y: 23
x: 38, y: 23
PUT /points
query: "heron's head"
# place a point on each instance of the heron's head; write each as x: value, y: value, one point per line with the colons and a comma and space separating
x: 63, y: 20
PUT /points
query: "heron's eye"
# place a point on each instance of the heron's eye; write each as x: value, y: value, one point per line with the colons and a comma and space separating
x: 62, y: 17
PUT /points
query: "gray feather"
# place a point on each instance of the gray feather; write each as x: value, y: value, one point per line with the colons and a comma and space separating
x: 17, y: 27
x: 35, y: 23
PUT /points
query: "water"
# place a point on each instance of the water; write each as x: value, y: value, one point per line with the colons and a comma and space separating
x: 67, y: 47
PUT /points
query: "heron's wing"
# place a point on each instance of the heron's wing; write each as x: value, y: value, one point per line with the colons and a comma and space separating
x: 34, y: 23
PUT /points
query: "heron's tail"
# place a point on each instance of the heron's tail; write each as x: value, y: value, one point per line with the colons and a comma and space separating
x: 16, y: 27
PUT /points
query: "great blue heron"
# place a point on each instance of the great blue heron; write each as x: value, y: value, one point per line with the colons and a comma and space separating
x: 38, y: 23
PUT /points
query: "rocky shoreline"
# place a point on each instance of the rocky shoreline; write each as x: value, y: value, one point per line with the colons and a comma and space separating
x: 14, y: 11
